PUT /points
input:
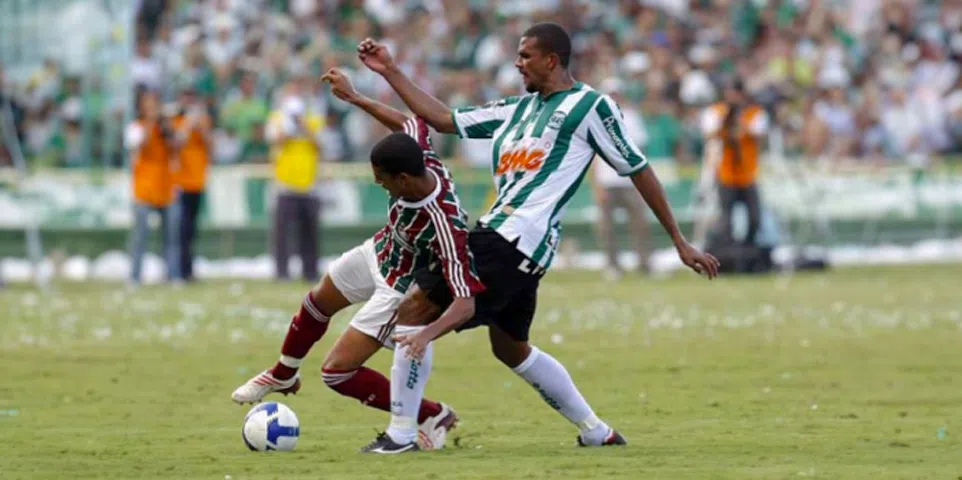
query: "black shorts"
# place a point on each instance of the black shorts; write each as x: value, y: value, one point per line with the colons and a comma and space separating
x: 511, y: 283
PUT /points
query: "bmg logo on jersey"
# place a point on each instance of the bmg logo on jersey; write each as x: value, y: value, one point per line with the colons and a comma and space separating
x: 520, y: 159
x: 527, y: 155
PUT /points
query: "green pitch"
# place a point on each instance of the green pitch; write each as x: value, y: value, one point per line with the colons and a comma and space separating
x: 852, y: 374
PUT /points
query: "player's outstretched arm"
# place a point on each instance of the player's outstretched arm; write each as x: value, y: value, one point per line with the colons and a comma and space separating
x: 377, y: 57
x: 606, y: 135
x: 342, y: 88
x: 647, y: 184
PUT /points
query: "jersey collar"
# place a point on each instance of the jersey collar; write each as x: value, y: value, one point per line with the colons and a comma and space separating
x: 426, y: 200
x: 576, y: 86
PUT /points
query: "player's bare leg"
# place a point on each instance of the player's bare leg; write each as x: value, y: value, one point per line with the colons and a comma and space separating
x: 555, y: 385
x: 408, y: 381
x: 307, y: 327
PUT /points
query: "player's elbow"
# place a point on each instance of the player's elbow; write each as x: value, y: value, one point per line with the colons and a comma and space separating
x: 442, y: 122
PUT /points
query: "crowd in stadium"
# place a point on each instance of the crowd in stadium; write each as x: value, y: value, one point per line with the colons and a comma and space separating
x: 875, y: 80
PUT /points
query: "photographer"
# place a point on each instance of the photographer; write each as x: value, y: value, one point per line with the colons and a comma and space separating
x: 192, y: 136
x: 735, y: 129
x: 148, y: 141
x: 294, y: 134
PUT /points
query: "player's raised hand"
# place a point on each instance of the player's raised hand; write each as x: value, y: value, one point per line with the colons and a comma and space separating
x: 341, y: 85
x: 375, y: 55
x: 701, y: 262
x: 416, y: 344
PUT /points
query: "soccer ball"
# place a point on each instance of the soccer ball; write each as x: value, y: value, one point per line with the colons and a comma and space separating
x: 271, y: 426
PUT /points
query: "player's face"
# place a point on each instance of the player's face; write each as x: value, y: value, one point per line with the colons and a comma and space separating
x: 532, y: 63
x: 395, y: 185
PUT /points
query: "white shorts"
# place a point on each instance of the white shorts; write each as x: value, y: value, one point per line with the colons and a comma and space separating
x: 356, y: 274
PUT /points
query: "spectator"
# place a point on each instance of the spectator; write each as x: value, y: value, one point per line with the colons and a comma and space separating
x: 193, y: 138
x: 147, y: 140
x: 614, y: 192
x: 294, y: 132
x: 245, y: 109
x: 145, y: 70
x: 10, y: 110
x: 736, y: 127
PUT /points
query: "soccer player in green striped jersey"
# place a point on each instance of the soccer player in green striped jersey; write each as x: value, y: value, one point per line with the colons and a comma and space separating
x: 543, y: 144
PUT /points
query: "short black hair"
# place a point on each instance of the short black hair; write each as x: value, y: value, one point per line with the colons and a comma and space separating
x: 398, y: 153
x: 552, y: 38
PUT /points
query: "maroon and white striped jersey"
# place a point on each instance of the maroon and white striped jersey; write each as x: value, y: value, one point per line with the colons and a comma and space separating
x: 431, y: 231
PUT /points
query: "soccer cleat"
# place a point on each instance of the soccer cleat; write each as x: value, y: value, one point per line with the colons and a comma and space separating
x: 264, y: 383
x: 383, y: 444
x: 613, y: 438
x: 433, y: 432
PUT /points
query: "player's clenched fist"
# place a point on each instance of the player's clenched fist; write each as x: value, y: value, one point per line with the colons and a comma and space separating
x: 341, y: 85
x: 375, y: 56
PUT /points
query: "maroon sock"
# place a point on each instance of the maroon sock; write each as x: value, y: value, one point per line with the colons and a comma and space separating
x: 428, y: 409
x: 372, y: 389
x: 307, y: 327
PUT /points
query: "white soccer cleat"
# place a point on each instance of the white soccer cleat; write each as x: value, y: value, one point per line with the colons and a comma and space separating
x: 264, y: 383
x: 433, y: 432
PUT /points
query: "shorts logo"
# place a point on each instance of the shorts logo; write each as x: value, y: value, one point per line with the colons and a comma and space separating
x: 556, y: 120
x: 527, y: 266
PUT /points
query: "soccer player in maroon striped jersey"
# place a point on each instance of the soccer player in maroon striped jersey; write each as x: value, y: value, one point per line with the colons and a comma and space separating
x: 426, y: 227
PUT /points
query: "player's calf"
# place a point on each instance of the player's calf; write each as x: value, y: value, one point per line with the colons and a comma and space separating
x: 308, y: 326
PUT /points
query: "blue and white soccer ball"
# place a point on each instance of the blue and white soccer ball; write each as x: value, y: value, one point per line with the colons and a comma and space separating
x: 271, y: 426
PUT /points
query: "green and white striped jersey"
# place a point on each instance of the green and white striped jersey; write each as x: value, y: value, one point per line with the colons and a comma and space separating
x: 541, y: 152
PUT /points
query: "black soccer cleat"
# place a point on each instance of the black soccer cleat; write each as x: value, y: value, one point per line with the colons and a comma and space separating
x: 613, y: 438
x: 384, y: 445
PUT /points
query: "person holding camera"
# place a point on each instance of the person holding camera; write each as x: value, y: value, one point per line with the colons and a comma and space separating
x: 736, y: 129
x: 192, y: 137
x: 148, y: 141
x: 294, y: 134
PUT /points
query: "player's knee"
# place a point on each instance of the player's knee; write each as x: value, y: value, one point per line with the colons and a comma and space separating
x: 511, y: 354
x: 416, y: 309
x: 335, y: 374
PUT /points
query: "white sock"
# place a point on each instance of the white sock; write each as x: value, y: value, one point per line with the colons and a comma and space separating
x: 553, y: 382
x: 408, y: 380
x: 291, y: 361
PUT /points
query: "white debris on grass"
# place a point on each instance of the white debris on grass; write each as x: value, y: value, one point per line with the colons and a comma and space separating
x: 115, y: 265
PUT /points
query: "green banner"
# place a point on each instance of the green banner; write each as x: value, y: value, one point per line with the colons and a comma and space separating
x: 241, y: 196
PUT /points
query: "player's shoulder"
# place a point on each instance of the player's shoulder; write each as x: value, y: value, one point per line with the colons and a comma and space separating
x: 508, y: 101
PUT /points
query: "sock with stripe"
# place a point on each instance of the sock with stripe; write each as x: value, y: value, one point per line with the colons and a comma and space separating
x: 307, y: 327
x: 372, y: 389
x: 558, y: 390
x: 408, y: 380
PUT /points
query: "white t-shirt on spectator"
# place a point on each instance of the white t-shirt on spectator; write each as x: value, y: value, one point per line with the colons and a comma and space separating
x: 903, y: 125
x: 838, y: 118
x: 146, y: 71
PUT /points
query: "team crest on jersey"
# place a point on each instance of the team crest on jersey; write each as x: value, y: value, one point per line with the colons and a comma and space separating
x: 403, y: 239
x: 556, y: 120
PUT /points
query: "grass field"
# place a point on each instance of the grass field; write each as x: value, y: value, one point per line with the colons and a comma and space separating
x: 853, y: 374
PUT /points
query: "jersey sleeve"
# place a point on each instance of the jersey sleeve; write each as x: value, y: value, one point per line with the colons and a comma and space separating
x: 481, y: 121
x: 450, y: 244
x: 418, y: 129
x: 607, y: 137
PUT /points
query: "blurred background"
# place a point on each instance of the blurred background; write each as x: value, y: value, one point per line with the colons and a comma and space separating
x: 858, y: 155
